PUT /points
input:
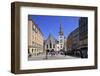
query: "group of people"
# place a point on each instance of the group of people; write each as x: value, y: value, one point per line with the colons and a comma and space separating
x: 53, y: 52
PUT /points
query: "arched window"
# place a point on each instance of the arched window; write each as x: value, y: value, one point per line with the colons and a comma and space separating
x: 50, y: 45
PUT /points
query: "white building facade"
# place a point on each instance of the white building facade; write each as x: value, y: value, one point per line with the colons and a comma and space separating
x: 61, y: 39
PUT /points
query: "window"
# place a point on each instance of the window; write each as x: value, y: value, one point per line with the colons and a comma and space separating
x: 60, y: 36
x: 33, y: 43
x: 33, y: 27
x: 60, y: 41
x: 33, y: 36
x: 28, y: 51
x: 32, y: 50
x: 60, y: 46
x: 47, y: 46
x: 50, y: 45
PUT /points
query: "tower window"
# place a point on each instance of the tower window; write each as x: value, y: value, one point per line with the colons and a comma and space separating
x: 60, y: 36
x: 60, y: 41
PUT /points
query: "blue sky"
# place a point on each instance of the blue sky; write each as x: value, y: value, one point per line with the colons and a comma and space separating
x: 51, y: 24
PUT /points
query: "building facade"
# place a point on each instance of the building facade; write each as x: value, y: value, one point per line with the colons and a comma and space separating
x: 75, y: 44
x: 50, y: 43
x: 69, y: 42
x: 57, y: 46
x: 77, y: 41
x: 65, y: 47
x: 73, y: 40
x: 83, y: 35
x: 35, y: 38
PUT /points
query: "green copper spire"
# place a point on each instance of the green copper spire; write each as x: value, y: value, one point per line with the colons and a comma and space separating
x: 61, y: 32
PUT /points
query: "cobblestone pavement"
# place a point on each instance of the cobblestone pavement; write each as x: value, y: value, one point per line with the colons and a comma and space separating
x: 51, y: 57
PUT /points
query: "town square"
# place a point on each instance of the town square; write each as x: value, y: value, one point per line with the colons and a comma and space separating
x: 57, y: 39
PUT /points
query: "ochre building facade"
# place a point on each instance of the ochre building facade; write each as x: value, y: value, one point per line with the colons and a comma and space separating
x: 35, y: 38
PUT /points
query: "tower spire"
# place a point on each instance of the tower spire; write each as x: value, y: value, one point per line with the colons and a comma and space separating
x: 60, y: 27
x: 60, y: 32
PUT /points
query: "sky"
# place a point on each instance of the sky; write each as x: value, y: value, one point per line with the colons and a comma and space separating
x: 51, y: 24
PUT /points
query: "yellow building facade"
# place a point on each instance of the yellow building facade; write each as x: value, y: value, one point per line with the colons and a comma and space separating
x: 35, y: 39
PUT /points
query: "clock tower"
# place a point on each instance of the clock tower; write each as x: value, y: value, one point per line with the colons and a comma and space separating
x: 61, y: 38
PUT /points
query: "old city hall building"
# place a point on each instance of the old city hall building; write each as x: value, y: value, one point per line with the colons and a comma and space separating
x: 55, y: 44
